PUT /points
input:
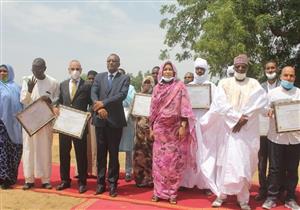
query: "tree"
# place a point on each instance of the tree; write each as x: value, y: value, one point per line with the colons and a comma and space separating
x: 218, y: 30
x: 137, y: 80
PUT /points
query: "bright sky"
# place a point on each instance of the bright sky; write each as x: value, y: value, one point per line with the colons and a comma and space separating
x: 89, y: 31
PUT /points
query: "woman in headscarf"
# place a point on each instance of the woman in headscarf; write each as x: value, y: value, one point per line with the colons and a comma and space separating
x: 172, y: 122
x: 10, y: 129
x: 191, y: 178
x: 142, y: 152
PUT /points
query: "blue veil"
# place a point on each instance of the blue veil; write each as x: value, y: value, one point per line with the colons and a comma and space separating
x: 10, y: 105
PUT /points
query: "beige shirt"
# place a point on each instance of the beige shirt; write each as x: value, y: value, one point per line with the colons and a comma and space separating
x: 280, y: 94
x: 238, y: 92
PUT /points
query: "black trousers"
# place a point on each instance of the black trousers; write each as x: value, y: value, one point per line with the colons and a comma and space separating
x: 262, y: 165
x: 284, y: 161
x: 108, y: 141
x: 80, y: 146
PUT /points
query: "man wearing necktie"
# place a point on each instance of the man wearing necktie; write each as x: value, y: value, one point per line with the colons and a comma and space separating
x: 108, y: 92
x: 74, y: 93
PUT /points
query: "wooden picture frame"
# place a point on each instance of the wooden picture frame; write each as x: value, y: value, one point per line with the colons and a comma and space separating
x: 287, y: 116
x: 36, y: 116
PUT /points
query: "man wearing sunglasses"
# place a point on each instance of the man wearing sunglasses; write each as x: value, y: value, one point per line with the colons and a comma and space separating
x: 75, y: 93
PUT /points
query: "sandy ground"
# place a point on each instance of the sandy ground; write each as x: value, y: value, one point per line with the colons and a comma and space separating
x: 17, y: 199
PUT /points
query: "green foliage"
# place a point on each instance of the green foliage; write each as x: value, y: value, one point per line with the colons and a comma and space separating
x: 218, y: 30
x: 137, y: 80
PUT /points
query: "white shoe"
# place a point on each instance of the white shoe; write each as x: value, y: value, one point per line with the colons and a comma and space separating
x: 217, y: 203
x: 244, y: 206
x: 269, y: 204
x: 292, y: 204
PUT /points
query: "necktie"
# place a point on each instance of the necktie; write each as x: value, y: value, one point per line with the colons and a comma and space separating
x: 74, y: 88
x: 110, y: 79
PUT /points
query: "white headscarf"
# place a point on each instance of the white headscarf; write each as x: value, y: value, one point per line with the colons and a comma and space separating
x: 229, y: 71
x: 200, y: 63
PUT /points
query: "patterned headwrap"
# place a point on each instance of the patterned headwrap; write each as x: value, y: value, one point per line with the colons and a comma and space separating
x: 241, y: 59
x: 152, y: 83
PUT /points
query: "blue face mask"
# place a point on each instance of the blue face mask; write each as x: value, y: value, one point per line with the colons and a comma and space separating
x: 286, y: 84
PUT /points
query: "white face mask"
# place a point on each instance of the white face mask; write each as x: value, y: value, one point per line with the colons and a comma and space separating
x: 166, y: 79
x: 200, y: 79
x: 75, y: 74
x: 271, y: 76
x: 239, y: 76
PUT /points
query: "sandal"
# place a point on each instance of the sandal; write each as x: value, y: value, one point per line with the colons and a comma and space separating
x: 173, y: 201
x: 155, y: 198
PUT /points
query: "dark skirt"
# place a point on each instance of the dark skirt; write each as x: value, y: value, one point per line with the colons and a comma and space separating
x: 142, y: 155
x: 10, y: 157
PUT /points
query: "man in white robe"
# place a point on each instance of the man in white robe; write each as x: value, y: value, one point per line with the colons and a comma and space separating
x: 192, y: 178
x: 230, y: 132
x: 37, y: 150
x: 284, y: 148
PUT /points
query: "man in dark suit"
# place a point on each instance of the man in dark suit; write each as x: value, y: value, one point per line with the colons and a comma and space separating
x: 108, y: 92
x: 75, y: 93
x: 271, y: 72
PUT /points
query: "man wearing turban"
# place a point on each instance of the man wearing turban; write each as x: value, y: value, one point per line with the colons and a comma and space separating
x: 230, y: 132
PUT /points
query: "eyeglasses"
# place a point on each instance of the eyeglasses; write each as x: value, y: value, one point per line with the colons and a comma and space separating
x: 112, y: 60
x: 188, y: 77
x: 77, y: 69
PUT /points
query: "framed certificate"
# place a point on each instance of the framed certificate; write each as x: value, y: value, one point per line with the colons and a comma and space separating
x: 71, y: 122
x: 36, y: 116
x: 263, y: 125
x: 141, y: 105
x: 287, y: 116
x: 200, y: 95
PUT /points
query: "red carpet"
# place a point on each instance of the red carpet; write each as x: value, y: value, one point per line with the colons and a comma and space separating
x: 134, y: 198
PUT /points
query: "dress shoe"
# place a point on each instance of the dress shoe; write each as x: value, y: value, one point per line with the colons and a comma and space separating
x: 100, y: 189
x: 47, y: 186
x: 113, y: 191
x: 63, y: 185
x: 155, y: 198
x: 28, y: 185
x: 128, y: 177
x: 173, y: 201
x: 82, y: 189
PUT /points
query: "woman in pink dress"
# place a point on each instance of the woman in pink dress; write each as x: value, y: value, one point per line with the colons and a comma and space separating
x: 172, y: 122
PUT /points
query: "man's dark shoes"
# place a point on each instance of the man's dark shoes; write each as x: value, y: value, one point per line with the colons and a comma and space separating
x: 28, y: 185
x: 82, y: 189
x: 128, y: 177
x: 100, y: 189
x: 47, y: 186
x: 63, y: 185
x: 113, y: 191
